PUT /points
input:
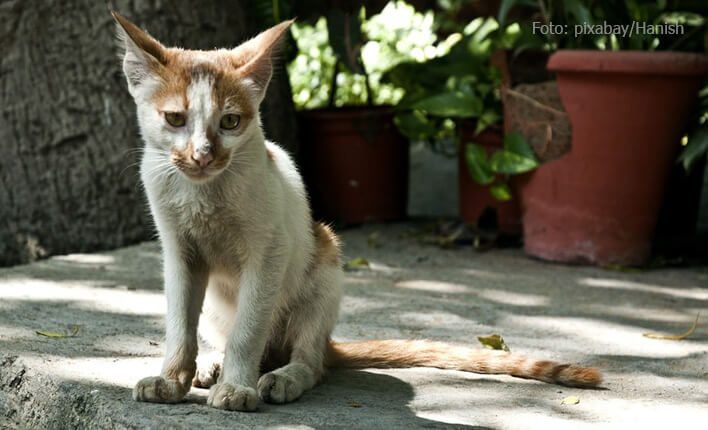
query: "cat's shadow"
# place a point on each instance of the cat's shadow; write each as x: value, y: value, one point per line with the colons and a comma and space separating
x: 348, y: 399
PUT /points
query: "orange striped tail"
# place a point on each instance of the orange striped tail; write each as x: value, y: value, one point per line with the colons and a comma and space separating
x: 389, y: 354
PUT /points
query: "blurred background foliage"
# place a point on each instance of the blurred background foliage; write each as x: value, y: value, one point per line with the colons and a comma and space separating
x: 397, y: 34
x: 430, y: 59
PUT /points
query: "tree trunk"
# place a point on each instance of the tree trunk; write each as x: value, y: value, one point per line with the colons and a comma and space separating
x: 68, y: 133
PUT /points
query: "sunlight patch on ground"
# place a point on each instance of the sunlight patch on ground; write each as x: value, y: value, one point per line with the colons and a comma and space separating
x: 88, y: 294
x: 629, y: 311
x: 383, y: 268
x: 484, y: 274
x: 431, y: 320
x: 494, y: 295
x: 11, y: 332
x: 358, y: 280
x: 514, y: 298
x: 503, y: 404
x: 86, y: 258
x: 352, y: 304
x: 433, y: 286
x: 123, y: 372
x: 687, y: 292
x: 606, y: 337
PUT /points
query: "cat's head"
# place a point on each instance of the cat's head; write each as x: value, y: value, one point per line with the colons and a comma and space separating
x: 195, y: 108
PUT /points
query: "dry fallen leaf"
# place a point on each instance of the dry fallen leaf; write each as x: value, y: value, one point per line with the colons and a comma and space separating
x: 356, y: 264
x: 570, y: 400
x: 674, y: 336
x: 493, y: 341
x: 73, y: 331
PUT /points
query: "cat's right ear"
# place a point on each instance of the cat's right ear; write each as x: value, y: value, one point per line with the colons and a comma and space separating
x: 143, y: 56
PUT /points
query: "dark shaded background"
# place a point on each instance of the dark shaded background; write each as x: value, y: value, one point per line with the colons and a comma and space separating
x: 68, y: 133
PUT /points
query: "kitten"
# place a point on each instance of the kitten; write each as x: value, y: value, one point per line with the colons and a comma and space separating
x: 240, y: 246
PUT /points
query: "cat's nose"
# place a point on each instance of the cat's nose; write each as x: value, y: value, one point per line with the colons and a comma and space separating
x: 202, y: 159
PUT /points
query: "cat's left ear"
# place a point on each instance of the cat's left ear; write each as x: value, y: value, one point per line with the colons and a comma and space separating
x: 255, y: 57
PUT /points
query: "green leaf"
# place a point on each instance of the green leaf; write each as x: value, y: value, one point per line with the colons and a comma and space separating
x: 455, y: 104
x: 500, y: 191
x: 478, y: 165
x: 510, y: 163
x: 696, y: 149
x: 493, y: 341
x: 356, y: 264
x: 415, y: 125
x: 516, y: 143
x: 516, y: 157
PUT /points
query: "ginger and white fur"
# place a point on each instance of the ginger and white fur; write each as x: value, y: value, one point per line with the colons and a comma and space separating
x: 240, y: 246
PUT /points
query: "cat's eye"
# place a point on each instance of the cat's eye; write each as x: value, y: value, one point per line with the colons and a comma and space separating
x: 230, y: 121
x: 175, y: 119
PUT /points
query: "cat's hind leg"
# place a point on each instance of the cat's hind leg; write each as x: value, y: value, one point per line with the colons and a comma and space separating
x: 208, y: 369
x: 214, y: 325
x: 307, y: 330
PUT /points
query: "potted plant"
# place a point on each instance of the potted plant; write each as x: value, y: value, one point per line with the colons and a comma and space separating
x: 455, y: 97
x: 628, y: 105
x: 354, y: 160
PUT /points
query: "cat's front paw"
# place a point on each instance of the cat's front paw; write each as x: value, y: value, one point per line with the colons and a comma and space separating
x: 279, y: 388
x: 233, y: 397
x: 157, y: 389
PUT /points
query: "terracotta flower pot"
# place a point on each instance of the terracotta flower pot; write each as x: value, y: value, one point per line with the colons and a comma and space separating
x: 474, y: 198
x: 355, y: 164
x: 599, y: 203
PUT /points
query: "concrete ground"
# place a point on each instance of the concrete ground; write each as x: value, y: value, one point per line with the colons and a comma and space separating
x: 580, y: 314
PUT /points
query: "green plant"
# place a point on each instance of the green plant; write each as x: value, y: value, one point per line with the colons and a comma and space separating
x: 696, y: 142
x: 447, y: 92
x: 514, y: 158
x: 609, y: 24
x: 460, y: 85
x: 342, y: 55
x: 679, y: 25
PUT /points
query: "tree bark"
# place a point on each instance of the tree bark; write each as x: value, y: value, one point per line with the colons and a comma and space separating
x: 68, y: 134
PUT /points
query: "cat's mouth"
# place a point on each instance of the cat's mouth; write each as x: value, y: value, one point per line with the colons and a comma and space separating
x: 198, y: 173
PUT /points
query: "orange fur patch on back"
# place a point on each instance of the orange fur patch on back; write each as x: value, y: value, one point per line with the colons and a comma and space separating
x: 326, y: 245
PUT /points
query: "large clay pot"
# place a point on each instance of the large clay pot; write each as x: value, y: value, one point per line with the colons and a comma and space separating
x: 599, y: 203
x: 355, y: 164
x: 475, y: 199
